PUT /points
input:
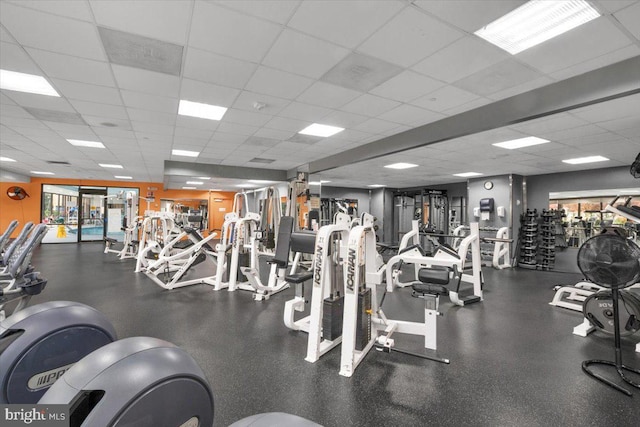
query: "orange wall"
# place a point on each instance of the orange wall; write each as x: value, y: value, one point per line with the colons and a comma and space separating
x: 28, y: 209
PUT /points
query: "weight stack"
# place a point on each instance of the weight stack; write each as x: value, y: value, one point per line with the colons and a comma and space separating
x: 332, y: 311
x: 243, y: 261
x: 528, y: 239
x: 547, y: 247
x: 363, y: 329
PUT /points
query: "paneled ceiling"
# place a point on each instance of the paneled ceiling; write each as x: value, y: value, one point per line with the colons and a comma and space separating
x: 376, y: 68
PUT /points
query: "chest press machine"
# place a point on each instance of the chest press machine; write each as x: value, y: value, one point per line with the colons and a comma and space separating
x: 444, y: 258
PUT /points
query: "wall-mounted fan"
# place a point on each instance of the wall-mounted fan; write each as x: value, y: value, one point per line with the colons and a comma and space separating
x: 613, y: 262
x: 16, y: 193
x: 635, y: 167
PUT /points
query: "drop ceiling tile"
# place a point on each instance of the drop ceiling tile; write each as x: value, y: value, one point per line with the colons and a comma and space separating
x: 163, y: 20
x: 159, y: 132
x: 146, y: 81
x: 147, y: 101
x: 33, y: 29
x: 69, y: 9
x: 272, y: 10
x: 197, y: 123
x: 361, y: 72
x: 5, y: 100
x: 105, y: 125
x: 15, y: 111
x: 246, y: 101
x: 370, y: 105
x: 630, y: 17
x: 151, y: 117
x: 334, y: 20
x: 298, y: 110
x: 601, y: 61
x: 278, y: 83
x: 409, y: 115
x: 327, y: 95
x: 213, y: 68
x: 193, y: 90
x: 237, y: 128
x: 612, y: 6
x: 190, y: 132
x: 469, y: 15
x: 406, y: 86
x: 498, y: 77
x: 303, y: 55
x: 6, y: 37
x: 222, y: 138
x: 15, y: 123
x: 460, y: 59
x: 73, y: 131
x: 586, y: 42
x: 621, y: 124
x: 133, y: 50
x: 281, y: 135
x: 87, y: 92
x: 409, y: 37
x: 285, y: 124
x: 570, y: 133
x: 631, y: 133
x: 216, y: 29
x: 557, y: 122
x: 13, y: 58
x: 104, y: 110
x: 246, y: 117
x: 343, y: 119
x: 196, y: 144
x: 444, y: 98
x: 478, y: 102
x: 71, y: 68
x: 376, y: 126
x: 39, y: 101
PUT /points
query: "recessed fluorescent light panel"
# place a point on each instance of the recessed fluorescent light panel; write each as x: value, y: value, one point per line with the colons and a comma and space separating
x: 185, y: 153
x: 202, y: 111
x: 535, y: 22
x: 29, y: 83
x: 521, y: 142
x: 106, y: 165
x: 589, y: 159
x: 401, y: 166
x: 6, y: 159
x: 188, y: 188
x: 319, y: 182
x: 123, y: 177
x: 467, y: 174
x: 42, y: 173
x: 216, y: 189
x: 195, y: 182
x: 376, y: 185
x: 324, y: 131
x: 260, y: 181
x: 245, y: 185
x: 204, y: 177
x: 90, y: 144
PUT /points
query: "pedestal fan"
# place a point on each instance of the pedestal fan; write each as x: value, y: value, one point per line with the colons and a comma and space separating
x: 613, y: 262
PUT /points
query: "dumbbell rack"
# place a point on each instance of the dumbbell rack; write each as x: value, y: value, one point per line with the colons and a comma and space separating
x: 528, y: 254
x: 547, y: 247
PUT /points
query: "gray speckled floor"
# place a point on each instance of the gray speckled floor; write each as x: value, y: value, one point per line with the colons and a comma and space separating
x: 513, y: 358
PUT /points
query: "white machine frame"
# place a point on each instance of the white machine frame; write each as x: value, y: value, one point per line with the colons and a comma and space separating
x: 156, y: 226
x: 130, y: 243
x: 469, y: 243
x: 361, y: 267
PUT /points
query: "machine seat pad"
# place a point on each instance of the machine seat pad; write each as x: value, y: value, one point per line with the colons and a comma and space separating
x: 299, y: 277
x: 437, y: 275
x: 183, y: 244
x: 428, y: 289
x: 274, y: 419
x: 110, y: 240
x: 273, y: 260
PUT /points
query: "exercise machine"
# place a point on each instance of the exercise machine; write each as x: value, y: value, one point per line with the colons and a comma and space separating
x: 169, y: 270
x: 327, y: 295
x: 157, y: 230
x: 365, y: 325
x: 12, y: 247
x: 4, y: 238
x: 445, y: 257
x: 41, y: 342
x: 130, y: 224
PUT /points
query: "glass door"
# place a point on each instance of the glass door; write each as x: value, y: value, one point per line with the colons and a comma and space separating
x: 91, y: 214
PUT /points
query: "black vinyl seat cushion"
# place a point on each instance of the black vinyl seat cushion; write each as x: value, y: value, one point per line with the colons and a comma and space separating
x: 429, y: 289
x: 296, y: 278
x: 438, y: 275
